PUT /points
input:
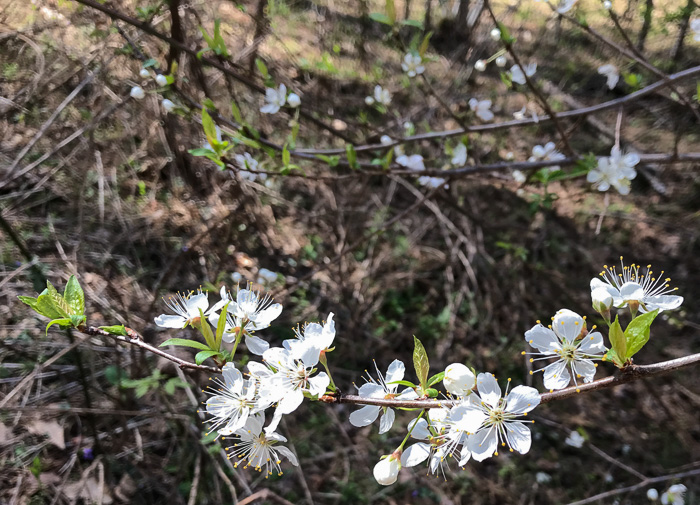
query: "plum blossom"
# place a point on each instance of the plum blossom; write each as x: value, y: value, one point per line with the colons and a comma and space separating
x: 385, y: 140
x: 144, y: 73
x: 459, y: 380
x: 517, y: 74
x: 607, y: 4
x: 495, y: 417
x: 412, y: 64
x: 187, y: 308
x: 168, y: 105
x: 611, y: 72
x: 311, y: 341
x: 565, y: 6
x: 546, y: 152
x: 257, y: 448
x: 232, y: 402
x: 246, y: 161
x: 161, y: 80
x: 495, y: 34
x: 480, y: 65
x: 652, y: 494
x: 519, y: 176
x: 638, y: 290
x: 266, y: 275
x: 501, y: 61
x: 413, y: 162
x: 274, y: 99
x: 575, y: 439
x: 293, y: 100
x: 381, y: 96
x: 386, y: 471
x: 616, y: 171
x: 482, y: 108
x: 674, y: 495
x: 381, y: 388
x: 459, y: 155
x: 695, y: 27
x: 566, y: 339
x: 137, y: 92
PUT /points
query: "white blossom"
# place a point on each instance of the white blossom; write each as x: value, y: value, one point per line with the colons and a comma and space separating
x: 144, y: 73
x: 482, y: 108
x: 695, y: 27
x: 501, y: 61
x: 168, y: 105
x: 413, y: 162
x: 611, y: 72
x: 495, y: 34
x: 459, y: 380
x: 674, y: 495
x: 387, y: 470
x: 236, y: 277
x: 519, y: 176
x: 431, y: 182
x: 246, y: 161
x: 543, y: 478
x: 386, y: 139
x: 459, y: 155
x: 480, y: 65
x: 652, y: 494
x: 517, y: 75
x: 257, y: 448
x: 616, y: 171
x: 311, y: 340
x: 412, y: 64
x: 497, y: 417
x: 565, y: 6
x: 137, y: 92
x: 267, y: 275
x: 293, y: 100
x: 381, y: 388
x: 381, y: 96
x: 566, y: 339
x: 546, y: 152
x: 575, y: 439
x: 274, y: 99
x: 187, y: 308
x: 640, y: 289
x: 161, y: 80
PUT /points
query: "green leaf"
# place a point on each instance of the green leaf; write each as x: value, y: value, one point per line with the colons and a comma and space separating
x: 352, y: 155
x: 205, y: 328
x: 424, y: 45
x: 183, y: 342
x: 201, y: 151
x: 149, y: 63
x: 637, y: 333
x: 617, y: 338
x: 262, y: 68
x: 57, y: 300
x: 286, y: 158
x: 142, y: 389
x: 506, y: 37
x: 381, y: 18
x: 209, y: 127
x: 77, y: 320
x: 74, y: 296
x: 221, y: 326
x: 420, y: 362
x: 63, y: 323
x: 237, y: 113
x: 32, y: 302
x: 436, y: 378
x: 169, y: 387
x: 201, y: 356
x: 412, y: 22
x: 117, y: 329
x: 114, y: 374
x: 391, y: 11
x: 404, y: 383
x: 46, y: 307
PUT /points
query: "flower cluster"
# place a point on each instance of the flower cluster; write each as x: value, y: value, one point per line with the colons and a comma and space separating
x: 616, y: 171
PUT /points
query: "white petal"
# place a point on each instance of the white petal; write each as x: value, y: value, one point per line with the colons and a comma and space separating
x: 519, y: 436
x: 568, y: 324
x: 663, y: 302
x: 318, y: 384
x: 196, y: 303
x: 489, y: 390
x: 467, y: 418
x: 265, y: 317
x: 522, y: 399
x: 284, y: 451
x: 387, y: 421
x: 232, y: 377
x: 631, y: 291
x: 415, y: 454
x: 168, y: 321
x: 256, y: 345
x: 584, y: 368
x: 592, y: 343
x: 394, y: 373
x: 597, y: 283
x: 236, y: 423
x: 543, y: 339
x: 372, y: 390
x: 483, y: 444
x: 419, y: 429
x: 364, y: 416
x: 556, y: 376
x: 408, y: 394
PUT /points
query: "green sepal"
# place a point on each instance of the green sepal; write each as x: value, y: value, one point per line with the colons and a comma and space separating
x: 436, y: 378
x: 637, y: 332
x: 183, y: 342
x: 420, y: 362
x: 617, y: 339
x: 201, y: 356
x: 117, y: 329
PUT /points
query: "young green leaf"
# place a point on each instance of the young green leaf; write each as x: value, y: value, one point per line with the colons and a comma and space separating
x: 221, y: 326
x: 420, y: 362
x: 404, y: 383
x: 637, y: 333
x: 57, y: 300
x: 117, y: 329
x: 183, y: 342
x: 209, y: 127
x: 77, y: 320
x: 436, y: 378
x: 391, y: 11
x: 424, y: 45
x: 381, y: 18
x: 205, y: 328
x: 352, y: 155
x: 262, y: 68
x: 63, y: 323
x: 32, y: 302
x: 617, y: 339
x: 74, y: 296
x: 237, y: 113
x: 201, y: 356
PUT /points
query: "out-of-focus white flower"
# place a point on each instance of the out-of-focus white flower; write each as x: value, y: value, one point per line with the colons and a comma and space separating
x: 642, y: 290
x: 247, y: 163
x: 616, y: 171
x: 482, y: 108
x: 575, y: 439
x: 408, y: 126
x: 386, y: 139
x: 311, y: 340
x: 144, y: 73
x: 413, y: 162
x: 568, y: 340
x: 695, y: 27
x: 382, y: 388
x: 501, y: 61
x: 412, y: 65
x: 510, y: 156
x: 495, y: 34
x: 293, y: 100
x: 267, y: 275
x: 381, y: 96
x: 546, y: 152
x: 493, y: 419
x: 611, y: 72
x: 187, y: 308
x: 517, y: 75
x: 387, y: 470
x: 137, y: 92
x: 480, y: 65
x: 168, y: 105
x: 565, y: 6
x: 607, y: 4
x: 257, y: 448
x: 459, y: 380
x: 431, y: 182
x: 161, y: 80
x: 274, y: 99
x: 652, y: 494
x: 674, y: 495
x: 236, y: 277
x: 519, y: 176
x: 459, y: 155
x: 543, y: 478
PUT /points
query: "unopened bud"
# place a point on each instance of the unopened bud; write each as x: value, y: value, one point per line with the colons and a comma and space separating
x: 602, y: 302
x: 459, y: 380
x: 161, y: 80
x: 387, y: 470
x: 480, y: 65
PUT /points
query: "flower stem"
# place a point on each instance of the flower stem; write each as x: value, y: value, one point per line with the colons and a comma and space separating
x: 324, y: 362
x: 411, y: 430
x: 241, y: 331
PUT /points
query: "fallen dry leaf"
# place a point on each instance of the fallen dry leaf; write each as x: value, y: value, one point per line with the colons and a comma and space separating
x: 50, y: 428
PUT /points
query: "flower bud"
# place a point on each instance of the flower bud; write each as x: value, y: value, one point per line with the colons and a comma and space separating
x: 161, y: 80
x: 602, y: 301
x: 496, y: 34
x: 458, y: 379
x: 168, y: 105
x: 137, y: 92
x: 501, y: 61
x: 387, y: 470
x: 369, y: 100
x: 144, y: 73
x: 652, y: 494
x: 607, y: 4
x: 386, y: 139
x: 480, y: 65
x: 293, y: 100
